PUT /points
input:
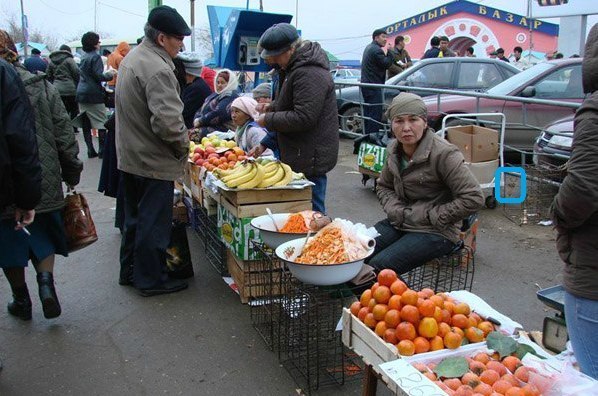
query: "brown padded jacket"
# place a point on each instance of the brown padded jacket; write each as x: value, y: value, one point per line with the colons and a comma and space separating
x: 434, y: 193
x: 575, y: 207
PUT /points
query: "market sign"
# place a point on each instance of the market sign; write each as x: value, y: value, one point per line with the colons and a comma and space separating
x: 474, y: 9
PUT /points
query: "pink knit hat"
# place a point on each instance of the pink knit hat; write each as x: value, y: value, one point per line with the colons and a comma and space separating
x: 247, y: 105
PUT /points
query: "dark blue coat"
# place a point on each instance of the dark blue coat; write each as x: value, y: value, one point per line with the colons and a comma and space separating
x: 89, y: 89
x: 193, y: 97
x: 374, y: 64
x: 35, y: 64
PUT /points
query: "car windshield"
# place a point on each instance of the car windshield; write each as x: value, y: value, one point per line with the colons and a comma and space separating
x: 519, y: 79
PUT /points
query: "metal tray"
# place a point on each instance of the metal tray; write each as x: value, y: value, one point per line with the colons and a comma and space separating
x: 553, y: 296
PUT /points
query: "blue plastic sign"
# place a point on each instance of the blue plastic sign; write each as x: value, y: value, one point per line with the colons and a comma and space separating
x: 522, y: 184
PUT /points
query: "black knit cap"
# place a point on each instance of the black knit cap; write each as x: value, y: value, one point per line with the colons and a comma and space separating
x: 168, y: 20
x: 277, y: 39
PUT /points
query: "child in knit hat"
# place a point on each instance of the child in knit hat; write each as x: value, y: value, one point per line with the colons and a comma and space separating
x: 248, y: 133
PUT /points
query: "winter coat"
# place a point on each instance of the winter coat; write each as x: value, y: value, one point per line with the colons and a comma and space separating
x: 151, y: 138
x: 398, y: 56
x: 431, y: 53
x: 58, y: 148
x: 575, y: 207
x: 194, y: 95
x: 92, y: 74
x: 114, y: 59
x: 374, y: 64
x: 304, y: 113
x: 249, y: 136
x: 35, y: 64
x: 63, y: 72
x: 434, y: 193
x: 20, y: 170
x: 215, y: 113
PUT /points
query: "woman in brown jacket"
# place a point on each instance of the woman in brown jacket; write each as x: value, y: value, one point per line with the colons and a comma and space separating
x: 425, y: 189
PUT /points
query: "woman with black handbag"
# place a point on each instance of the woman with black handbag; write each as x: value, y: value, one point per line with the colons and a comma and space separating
x: 45, y: 237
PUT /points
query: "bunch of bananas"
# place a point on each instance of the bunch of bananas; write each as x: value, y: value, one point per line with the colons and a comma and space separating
x: 252, y: 174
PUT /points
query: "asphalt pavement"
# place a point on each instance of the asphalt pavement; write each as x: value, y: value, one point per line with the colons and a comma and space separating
x: 111, y: 341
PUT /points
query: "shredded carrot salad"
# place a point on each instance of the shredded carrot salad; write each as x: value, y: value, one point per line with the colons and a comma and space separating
x: 327, y: 247
x: 295, y: 224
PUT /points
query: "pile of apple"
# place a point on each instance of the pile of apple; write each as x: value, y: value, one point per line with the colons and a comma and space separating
x: 214, y: 153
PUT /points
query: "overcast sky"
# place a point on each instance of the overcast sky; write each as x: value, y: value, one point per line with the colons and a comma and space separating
x: 342, y: 26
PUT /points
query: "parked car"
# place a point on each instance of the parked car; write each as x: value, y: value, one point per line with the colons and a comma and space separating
x: 553, y: 147
x: 468, y: 74
x: 555, y: 80
x: 346, y: 75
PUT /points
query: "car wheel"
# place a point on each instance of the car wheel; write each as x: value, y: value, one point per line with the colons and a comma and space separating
x: 351, y: 120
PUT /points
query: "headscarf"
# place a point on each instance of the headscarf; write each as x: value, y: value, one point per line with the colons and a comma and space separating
x: 247, y: 105
x: 233, y: 82
x: 407, y: 103
x: 8, y: 50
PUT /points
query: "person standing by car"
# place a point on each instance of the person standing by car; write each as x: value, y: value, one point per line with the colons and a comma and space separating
x: 520, y: 62
x: 500, y: 54
x: 445, y: 51
x: 469, y: 52
x: 58, y: 151
x: 400, y: 57
x: 90, y: 93
x: 575, y: 216
x: 433, y: 51
x: 63, y: 72
x: 303, y: 113
x: 375, y: 61
x: 152, y: 144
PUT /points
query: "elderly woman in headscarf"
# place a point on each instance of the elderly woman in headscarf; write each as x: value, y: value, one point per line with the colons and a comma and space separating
x: 248, y: 134
x: 426, y: 190
x: 215, y: 115
x: 58, y: 152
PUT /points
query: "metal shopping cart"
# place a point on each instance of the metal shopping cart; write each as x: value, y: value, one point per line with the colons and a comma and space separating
x: 484, y: 171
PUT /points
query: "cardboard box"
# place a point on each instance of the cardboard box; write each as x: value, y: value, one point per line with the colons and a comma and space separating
x: 179, y: 213
x: 371, y: 157
x: 236, y: 232
x: 483, y: 171
x: 196, y: 184
x: 478, y: 144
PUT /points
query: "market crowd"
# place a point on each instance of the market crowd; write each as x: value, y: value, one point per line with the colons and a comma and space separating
x: 160, y: 97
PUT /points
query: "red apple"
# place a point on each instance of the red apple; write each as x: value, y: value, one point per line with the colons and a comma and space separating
x: 210, y: 150
x: 195, y: 157
x: 199, y: 161
x: 199, y: 150
x: 212, y: 155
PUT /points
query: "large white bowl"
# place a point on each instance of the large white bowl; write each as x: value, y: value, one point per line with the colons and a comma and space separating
x: 318, y: 274
x: 268, y: 233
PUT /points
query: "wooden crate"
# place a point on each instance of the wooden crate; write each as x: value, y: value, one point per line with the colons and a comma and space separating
x: 244, y: 197
x: 259, y: 209
x: 250, y: 278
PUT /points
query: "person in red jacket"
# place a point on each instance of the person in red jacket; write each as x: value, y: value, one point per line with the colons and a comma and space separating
x: 208, y: 75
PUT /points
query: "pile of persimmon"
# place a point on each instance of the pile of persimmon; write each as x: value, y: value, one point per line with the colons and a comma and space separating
x: 417, y: 321
x: 487, y: 375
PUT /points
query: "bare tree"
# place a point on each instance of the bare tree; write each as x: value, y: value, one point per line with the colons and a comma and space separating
x: 35, y: 35
x: 203, y: 40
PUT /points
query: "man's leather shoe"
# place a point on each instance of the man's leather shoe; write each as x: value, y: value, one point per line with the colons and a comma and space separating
x: 170, y: 286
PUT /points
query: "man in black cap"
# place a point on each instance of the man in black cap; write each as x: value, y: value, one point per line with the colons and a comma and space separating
x: 304, y: 113
x: 152, y: 145
x: 374, y: 62
x: 500, y: 54
x: 35, y: 63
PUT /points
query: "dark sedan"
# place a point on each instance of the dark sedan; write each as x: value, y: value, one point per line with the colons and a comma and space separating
x: 468, y: 74
x: 553, y: 147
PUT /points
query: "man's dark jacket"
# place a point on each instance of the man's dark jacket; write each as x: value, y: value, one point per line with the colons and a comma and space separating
x: 575, y: 207
x: 374, y: 64
x: 20, y: 170
x: 304, y: 114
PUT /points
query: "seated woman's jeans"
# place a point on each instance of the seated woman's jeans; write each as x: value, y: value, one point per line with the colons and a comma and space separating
x: 403, y: 251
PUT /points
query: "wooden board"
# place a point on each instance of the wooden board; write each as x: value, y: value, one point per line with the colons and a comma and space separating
x: 249, y: 281
x: 255, y: 210
x: 368, y: 172
x: 243, y: 197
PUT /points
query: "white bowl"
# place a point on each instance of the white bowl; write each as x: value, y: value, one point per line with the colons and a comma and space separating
x: 318, y: 274
x: 268, y: 233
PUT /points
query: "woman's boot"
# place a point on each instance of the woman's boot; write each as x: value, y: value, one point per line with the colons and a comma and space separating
x: 101, y: 140
x: 20, y: 306
x: 47, y: 295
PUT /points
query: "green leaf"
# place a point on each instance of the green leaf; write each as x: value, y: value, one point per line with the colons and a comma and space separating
x: 452, y: 367
x: 522, y: 349
x: 502, y: 344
